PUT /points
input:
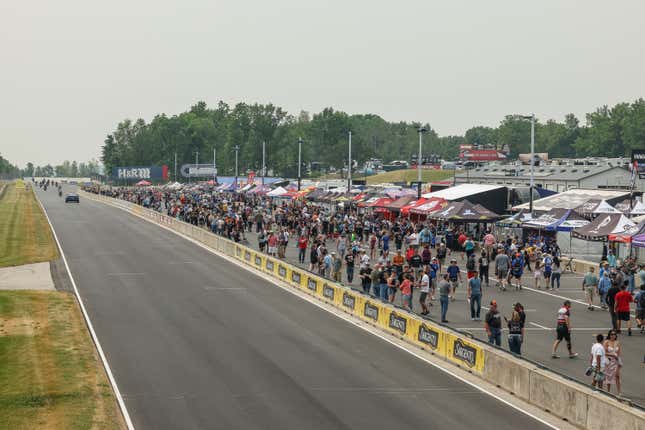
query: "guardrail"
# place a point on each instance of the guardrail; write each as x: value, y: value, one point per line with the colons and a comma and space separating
x: 558, y: 395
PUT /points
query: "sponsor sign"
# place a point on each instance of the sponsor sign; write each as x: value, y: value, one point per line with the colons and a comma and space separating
x: 258, y: 261
x: 198, y: 171
x: 349, y: 301
x: 398, y: 322
x: 282, y: 271
x: 296, y: 277
x: 238, y: 251
x: 269, y: 266
x: 464, y: 352
x: 428, y: 336
x: 329, y: 292
x: 638, y: 161
x: 370, y: 311
x: 140, y: 172
x: 312, y: 284
x: 247, y: 255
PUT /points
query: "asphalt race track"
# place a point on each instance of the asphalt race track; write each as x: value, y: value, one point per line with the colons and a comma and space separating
x: 197, y: 342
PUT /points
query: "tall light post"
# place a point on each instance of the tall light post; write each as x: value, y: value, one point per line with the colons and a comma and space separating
x: 237, y: 149
x: 299, y: 160
x: 264, y: 165
x: 214, y: 165
x: 349, y: 164
x: 420, y: 130
x: 532, y: 180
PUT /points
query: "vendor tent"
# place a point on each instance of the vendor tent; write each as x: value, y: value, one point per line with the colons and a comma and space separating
x: 430, y: 205
x: 638, y: 209
x: 143, y: 183
x: 464, y: 211
x: 493, y: 197
x: 627, y: 235
x: 277, y: 192
x: 557, y: 220
x: 405, y: 210
x: 397, y: 204
x: 516, y: 220
x: 604, y: 225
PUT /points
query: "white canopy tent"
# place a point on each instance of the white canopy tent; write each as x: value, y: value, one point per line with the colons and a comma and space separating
x: 277, y: 192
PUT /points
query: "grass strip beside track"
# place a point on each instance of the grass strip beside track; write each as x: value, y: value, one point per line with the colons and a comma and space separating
x: 407, y: 175
x: 25, y: 236
x: 50, y: 375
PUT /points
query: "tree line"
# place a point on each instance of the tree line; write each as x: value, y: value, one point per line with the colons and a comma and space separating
x: 67, y: 169
x: 607, y: 132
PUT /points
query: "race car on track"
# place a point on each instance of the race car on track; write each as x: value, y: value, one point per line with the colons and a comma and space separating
x: 72, y: 197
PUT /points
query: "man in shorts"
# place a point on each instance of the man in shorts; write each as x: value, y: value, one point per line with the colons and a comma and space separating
x: 598, y: 361
x: 424, y: 288
x: 589, y: 285
x: 563, y: 330
x: 502, y: 264
x: 621, y: 307
x: 454, y: 276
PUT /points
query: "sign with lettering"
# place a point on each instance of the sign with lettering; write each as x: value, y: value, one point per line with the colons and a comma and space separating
x: 428, y: 336
x: 282, y: 271
x: 370, y: 311
x: 295, y: 277
x: 247, y: 255
x: 463, y: 352
x: 398, y: 322
x: 258, y: 261
x: 312, y: 284
x: 349, y: 301
x: 269, y: 265
x: 329, y: 292
x: 137, y: 173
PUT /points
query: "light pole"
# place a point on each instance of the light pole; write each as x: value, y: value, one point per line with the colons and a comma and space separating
x: 264, y: 165
x: 349, y: 164
x: 421, y: 130
x: 237, y: 149
x: 214, y: 165
x: 532, y: 180
x: 299, y: 160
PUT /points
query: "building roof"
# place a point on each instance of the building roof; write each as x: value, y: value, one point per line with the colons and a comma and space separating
x: 522, y: 173
x: 573, y: 198
x: 461, y: 191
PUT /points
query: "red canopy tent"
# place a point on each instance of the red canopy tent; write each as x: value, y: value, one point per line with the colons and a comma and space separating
x: 430, y: 205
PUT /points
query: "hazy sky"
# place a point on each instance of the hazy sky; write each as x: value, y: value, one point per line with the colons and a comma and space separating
x: 70, y: 70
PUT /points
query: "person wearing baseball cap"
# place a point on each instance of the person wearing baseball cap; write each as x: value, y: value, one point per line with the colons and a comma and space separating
x: 493, y: 324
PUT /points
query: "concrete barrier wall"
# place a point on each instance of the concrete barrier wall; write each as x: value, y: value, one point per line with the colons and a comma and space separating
x: 569, y: 400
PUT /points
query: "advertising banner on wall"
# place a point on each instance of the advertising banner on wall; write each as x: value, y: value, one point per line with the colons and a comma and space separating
x: 638, y: 162
x: 140, y: 172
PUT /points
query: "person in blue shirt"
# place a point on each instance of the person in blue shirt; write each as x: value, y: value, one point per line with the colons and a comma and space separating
x: 474, y: 294
x: 604, y: 284
x: 454, y: 277
x: 517, y: 269
x: 433, y: 270
x: 611, y: 259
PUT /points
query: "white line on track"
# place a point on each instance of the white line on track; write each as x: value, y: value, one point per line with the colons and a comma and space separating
x: 566, y: 298
x: 348, y: 319
x: 106, y: 366
x: 125, y: 274
x: 539, y: 326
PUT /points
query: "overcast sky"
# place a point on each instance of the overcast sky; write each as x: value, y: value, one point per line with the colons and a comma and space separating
x: 72, y: 69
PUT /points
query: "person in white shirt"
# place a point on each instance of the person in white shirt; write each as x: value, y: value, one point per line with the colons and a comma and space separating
x: 598, y: 361
x: 424, y: 287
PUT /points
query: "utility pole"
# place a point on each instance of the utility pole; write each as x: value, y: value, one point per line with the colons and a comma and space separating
x: 421, y: 130
x: 214, y: 166
x: 299, y: 160
x: 237, y: 149
x: 349, y: 164
x: 264, y: 165
x: 532, y: 163
x: 175, y: 176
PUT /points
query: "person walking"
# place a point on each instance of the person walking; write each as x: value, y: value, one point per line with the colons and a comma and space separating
x: 611, y: 302
x: 563, y: 330
x: 406, y: 292
x: 515, y: 333
x: 302, y: 248
x: 391, y: 286
x: 349, y: 267
x: 474, y: 293
x: 597, y: 362
x: 589, y: 286
x: 621, y: 307
x: 493, y: 324
x: 424, y: 289
x: 365, y: 274
x: 454, y: 275
x: 483, y: 267
x: 337, y: 264
x: 640, y: 308
x: 604, y: 285
x: 613, y: 361
x: 502, y: 264
x: 444, y: 297
x: 556, y: 274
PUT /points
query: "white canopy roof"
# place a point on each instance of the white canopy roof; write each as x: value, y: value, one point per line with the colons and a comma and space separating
x: 461, y: 191
x: 277, y: 192
x: 638, y: 209
x: 605, y: 208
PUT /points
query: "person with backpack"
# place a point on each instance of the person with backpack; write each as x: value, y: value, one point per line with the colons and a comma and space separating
x: 517, y: 269
x: 483, y: 266
x: 471, y: 266
x: 515, y: 333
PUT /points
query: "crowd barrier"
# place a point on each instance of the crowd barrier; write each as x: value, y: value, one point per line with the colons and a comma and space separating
x: 567, y: 399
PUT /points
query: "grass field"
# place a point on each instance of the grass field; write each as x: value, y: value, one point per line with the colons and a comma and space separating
x: 25, y: 236
x: 50, y: 375
x: 407, y: 175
